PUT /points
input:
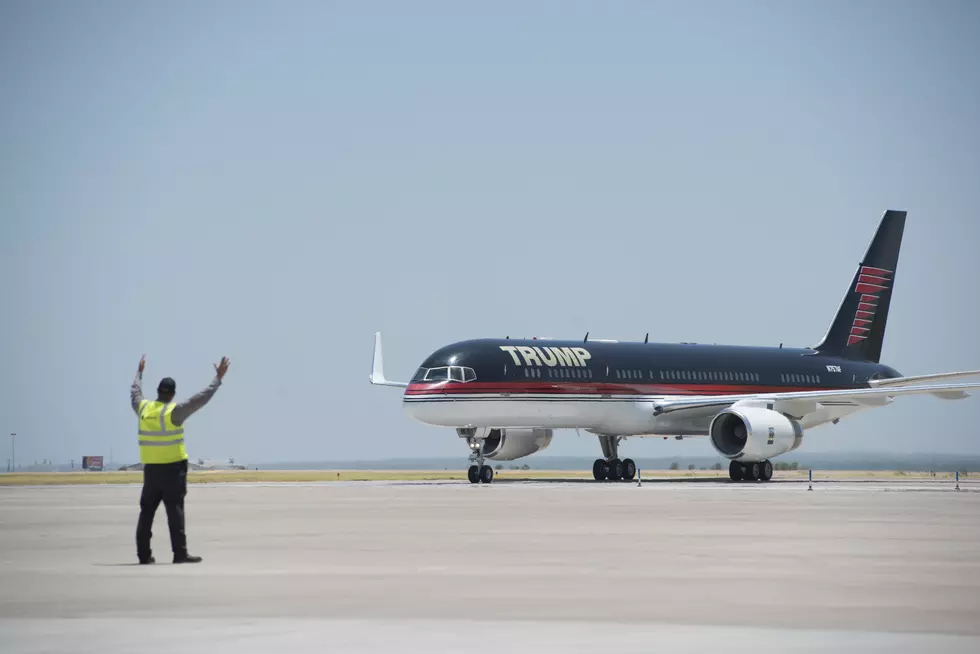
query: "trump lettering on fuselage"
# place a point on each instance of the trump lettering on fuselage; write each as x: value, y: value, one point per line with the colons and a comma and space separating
x: 547, y: 356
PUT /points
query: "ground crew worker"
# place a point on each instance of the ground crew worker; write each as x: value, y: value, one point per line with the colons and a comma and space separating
x: 164, y: 459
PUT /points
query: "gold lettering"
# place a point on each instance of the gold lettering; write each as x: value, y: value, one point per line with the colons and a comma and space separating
x: 549, y: 360
x: 529, y: 355
x: 571, y: 356
x: 509, y: 349
x: 564, y: 359
x: 583, y: 355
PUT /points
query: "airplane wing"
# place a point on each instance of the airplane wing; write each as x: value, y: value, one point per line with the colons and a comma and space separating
x: 910, y: 381
x: 898, y: 382
x: 377, y: 367
x: 799, y: 403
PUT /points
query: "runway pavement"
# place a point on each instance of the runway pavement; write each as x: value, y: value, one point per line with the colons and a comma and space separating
x: 533, y: 566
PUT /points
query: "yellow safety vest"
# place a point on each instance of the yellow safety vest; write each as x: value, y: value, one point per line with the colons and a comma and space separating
x: 161, y: 441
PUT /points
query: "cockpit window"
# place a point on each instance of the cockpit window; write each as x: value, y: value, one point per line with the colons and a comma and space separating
x: 445, y: 373
x: 437, y: 375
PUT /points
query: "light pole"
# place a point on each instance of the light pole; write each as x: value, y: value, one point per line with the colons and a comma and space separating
x: 13, y: 453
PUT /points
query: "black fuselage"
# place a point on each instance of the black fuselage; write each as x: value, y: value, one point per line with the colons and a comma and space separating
x: 669, y: 368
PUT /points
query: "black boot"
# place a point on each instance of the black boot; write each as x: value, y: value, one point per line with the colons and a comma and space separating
x: 147, y: 560
x: 186, y: 558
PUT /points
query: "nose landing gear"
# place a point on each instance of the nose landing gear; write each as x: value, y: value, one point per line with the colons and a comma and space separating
x: 478, y: 473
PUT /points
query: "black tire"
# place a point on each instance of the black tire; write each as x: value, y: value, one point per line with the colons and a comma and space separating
x: 600, y: 470
x: 629, y: 469
x: 473, y: 474
x: 615, y: 470
x: 751, y: 471
x: 486, y: 474
x: 766, y: 470
x: 735, y: 471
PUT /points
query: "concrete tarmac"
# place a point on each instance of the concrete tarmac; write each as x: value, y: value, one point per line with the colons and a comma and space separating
x: 527, y: 566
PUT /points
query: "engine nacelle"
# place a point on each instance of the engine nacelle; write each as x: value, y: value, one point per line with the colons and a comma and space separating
x: 752, y: 434
x: 508, y: 444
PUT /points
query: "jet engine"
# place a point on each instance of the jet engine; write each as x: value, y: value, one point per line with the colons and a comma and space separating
x: 749, y: 434
x: 510, y: 444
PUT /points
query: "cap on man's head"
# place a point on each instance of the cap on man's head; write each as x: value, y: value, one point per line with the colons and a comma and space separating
x: 167, y: 385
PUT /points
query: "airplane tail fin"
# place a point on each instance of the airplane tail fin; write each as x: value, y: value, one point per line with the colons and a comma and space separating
x: 858, y: 329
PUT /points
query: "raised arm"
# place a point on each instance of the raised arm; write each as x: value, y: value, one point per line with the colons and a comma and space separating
x: 187, y: 408
x: 136, y: 391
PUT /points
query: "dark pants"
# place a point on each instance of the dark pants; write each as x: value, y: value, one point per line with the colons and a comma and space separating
x: 167, y: 483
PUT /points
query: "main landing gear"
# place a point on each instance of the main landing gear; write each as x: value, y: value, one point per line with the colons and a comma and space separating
x: 755, y: 471
x: 611, y: 467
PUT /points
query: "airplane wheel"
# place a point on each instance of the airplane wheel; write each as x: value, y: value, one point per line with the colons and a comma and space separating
x: 629, y: 469
x: 735, y: 471
x: 473, y: 474
x: 486, y: 474
x: 751, y: 471
x: 600, y: 470
x: 766, y: 470
x: 615, y: 470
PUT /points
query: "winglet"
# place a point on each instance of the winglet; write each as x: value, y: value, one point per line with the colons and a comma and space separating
x: 377, y: 366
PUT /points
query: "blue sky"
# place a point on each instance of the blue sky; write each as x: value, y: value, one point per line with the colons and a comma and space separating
x: 277, y: 181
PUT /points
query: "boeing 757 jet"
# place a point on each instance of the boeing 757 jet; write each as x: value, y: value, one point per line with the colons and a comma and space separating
x: 505, y: 397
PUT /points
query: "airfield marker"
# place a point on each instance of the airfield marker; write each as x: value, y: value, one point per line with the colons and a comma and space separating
x: 957, y: 480
x: 810, y: 487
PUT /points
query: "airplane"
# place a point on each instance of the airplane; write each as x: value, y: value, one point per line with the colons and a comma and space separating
x: 506, y: 396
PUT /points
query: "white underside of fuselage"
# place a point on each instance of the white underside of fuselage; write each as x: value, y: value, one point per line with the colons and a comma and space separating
x: 617, y: 415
